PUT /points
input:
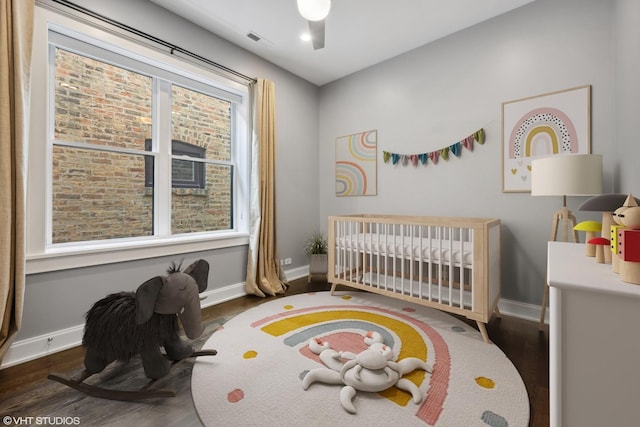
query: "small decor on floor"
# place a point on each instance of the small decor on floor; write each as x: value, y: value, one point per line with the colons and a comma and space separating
x: 316, y: 250
x: 372, y: 370
x: 125, y: 324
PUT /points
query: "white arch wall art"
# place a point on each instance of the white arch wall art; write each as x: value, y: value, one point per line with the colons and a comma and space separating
x: 356, y: 164
x: 541, y: 126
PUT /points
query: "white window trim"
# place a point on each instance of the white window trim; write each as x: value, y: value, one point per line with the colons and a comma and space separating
x: 43, y: 257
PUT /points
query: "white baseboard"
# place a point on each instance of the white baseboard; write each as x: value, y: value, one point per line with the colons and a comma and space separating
x: 522, y: 310
x: 36, y: 347
x: 296, y: 273
x: 33, y: 348
x: 217, y: 296
x: 43, y: 345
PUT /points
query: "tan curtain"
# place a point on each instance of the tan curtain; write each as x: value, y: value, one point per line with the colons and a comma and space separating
x: 16, y: 34
x: 263, y: 269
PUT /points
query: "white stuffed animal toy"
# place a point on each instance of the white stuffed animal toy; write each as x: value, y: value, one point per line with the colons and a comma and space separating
x: 371, y: 370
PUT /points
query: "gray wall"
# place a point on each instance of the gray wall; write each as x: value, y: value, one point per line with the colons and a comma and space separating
x: 58, y: 300
x: 627, y: 89
x: 437, y: 94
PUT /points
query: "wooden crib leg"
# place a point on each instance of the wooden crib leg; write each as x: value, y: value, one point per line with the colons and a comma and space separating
x: 333, y: 288
x: 497, y: 312
x: 483, y: 331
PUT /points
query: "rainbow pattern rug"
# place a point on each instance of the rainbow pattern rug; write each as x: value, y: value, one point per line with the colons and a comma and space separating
x: 264, y: 354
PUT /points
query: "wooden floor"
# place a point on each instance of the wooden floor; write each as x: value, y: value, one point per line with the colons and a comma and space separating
x: 25, y: 390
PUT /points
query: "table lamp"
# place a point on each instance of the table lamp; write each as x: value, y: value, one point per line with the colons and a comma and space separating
x: 565, y: 175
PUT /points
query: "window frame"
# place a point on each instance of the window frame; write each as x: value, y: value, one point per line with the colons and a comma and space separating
x: 41, y: 254
x: 178, y: 148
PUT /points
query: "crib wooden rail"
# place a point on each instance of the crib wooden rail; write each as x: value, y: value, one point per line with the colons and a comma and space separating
x: 448, y: 263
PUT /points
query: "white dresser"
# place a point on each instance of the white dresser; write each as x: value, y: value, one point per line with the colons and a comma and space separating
x: 594, y: 342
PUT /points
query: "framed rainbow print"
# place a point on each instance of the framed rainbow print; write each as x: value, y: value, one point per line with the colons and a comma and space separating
x: 542, y: 126
x: 356, y: 164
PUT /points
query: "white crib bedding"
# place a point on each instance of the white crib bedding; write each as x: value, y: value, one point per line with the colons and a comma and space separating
x: 422, y: 249
x: 414, y: 288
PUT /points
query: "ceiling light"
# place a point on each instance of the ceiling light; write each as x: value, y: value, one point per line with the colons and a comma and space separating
x: 314, y: 10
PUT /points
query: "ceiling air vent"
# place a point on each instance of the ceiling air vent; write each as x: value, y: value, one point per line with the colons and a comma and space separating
x: 254, y: 37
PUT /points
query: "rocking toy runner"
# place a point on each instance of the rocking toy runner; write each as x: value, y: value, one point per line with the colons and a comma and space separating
x: 125, y: 324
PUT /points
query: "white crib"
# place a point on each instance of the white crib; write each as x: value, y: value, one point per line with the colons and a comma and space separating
x: 448, y: 263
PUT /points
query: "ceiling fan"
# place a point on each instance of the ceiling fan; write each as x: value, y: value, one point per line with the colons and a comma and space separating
x: 315, y: 12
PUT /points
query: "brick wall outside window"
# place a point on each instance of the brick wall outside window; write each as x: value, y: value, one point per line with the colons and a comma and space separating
x: 102, y: 195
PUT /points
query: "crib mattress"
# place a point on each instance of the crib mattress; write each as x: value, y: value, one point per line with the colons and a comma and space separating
x: 429, y: 250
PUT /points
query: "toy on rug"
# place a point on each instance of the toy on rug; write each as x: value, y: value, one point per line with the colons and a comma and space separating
x: 125, y: 324
x: 371, y: 370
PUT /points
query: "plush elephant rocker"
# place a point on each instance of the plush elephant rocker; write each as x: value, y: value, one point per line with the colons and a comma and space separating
x: 125, y: 324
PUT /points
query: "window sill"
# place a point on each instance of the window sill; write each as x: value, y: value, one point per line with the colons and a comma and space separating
x: 69, y: 258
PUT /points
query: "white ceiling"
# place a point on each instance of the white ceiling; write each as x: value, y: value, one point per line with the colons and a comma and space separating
x: 359, y: 33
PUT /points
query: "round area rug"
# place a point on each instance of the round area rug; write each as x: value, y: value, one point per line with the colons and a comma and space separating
x: 265, y: 353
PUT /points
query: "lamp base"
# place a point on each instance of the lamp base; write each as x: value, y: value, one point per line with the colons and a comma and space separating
x: 563, y: 217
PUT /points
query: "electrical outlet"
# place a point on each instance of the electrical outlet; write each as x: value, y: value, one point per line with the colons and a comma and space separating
x: 287, y: 261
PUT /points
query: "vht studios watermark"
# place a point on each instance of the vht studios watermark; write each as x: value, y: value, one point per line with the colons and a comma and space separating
x: 8, y: 420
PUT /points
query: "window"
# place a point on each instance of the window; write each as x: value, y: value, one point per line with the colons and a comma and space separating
x: 142, y: 149
x: 184, y: 174
x: 105, y: 159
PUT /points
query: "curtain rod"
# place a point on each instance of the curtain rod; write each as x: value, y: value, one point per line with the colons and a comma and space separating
x: 173, y: 48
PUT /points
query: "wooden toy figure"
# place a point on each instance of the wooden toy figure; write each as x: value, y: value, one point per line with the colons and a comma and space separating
x: 629, y: 241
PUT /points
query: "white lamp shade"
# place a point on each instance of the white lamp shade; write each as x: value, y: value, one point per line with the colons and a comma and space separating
x: 567, y: 175
x: 314, y: 10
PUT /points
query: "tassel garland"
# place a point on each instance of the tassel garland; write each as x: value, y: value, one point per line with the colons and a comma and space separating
x: 455, y: 149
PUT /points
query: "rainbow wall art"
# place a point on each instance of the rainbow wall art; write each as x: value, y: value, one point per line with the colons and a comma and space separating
x: 356, y: 163
x: 542, y: 126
